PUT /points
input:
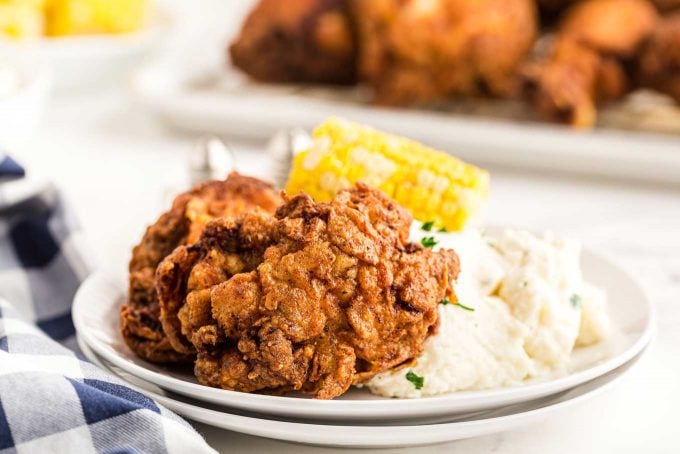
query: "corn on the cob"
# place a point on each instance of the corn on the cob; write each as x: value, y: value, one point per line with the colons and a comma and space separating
x: 434, y: 186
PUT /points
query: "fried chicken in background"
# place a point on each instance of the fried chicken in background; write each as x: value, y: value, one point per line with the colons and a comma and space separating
x: 615, y: 27
x: 297, y: 41
x: 182, y: 224
x: 596, y: 40
x: 568, y: 85
x: 554, y: 6
x: 339, y: 296
x: 419, y: 51
x: 667, y: 5
x: 659, y: 61
x: 425, y: 52
x: 551, y: 9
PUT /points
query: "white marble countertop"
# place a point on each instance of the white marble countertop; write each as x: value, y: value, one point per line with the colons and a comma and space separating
x: 115, y: 163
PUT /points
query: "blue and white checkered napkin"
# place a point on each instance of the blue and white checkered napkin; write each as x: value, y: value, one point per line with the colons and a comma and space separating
x: 51, y: 398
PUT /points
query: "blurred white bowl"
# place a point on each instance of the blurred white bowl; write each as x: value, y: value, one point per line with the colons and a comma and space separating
x: 97, y: 60
x: 25, y: 80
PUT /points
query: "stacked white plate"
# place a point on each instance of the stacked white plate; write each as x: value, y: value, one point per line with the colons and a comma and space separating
x: 358, y: 418
x: 196, y: 93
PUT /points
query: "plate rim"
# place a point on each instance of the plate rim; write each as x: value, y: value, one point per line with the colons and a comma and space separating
x: 249, y: 425
x: 160, y: 86
x: 362, y: 409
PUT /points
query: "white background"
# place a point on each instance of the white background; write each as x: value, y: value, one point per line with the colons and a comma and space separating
x: 118, y: 165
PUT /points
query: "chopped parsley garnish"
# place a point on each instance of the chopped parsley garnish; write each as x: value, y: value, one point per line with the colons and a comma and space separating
x: 575, y: 300
x: 416, y: 379
x: 443, y: 230
x: 428, y: 242
x: 428, y: 226
x: 446, y: 301
x: 467, y: 308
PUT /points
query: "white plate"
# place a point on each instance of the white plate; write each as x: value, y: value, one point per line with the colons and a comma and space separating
x: 95, y: 314
x: 207, y: 98
x: 381, y: 436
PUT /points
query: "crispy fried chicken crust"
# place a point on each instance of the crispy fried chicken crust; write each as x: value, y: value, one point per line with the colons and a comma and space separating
x: 297, y: 41
x: 614, y: 27
x: 182, y: 224
x: 586, y: 66
x: 659, y: 61
x: 552, y: 7
x: 419, y: 51
x: 339, y: 295
x: 567, y: 87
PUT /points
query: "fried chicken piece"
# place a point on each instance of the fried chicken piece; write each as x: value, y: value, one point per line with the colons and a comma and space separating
x: 339, y: 296
x: 183, y: 224
x: 615, y: 27
x: 297, y: 41
x: 659, y: 61
x: 667, y: 5
x: 553, y: 7
x: 420, y: 51
x: 567, y: 87
x: 595, y: 42
x: 239, y: 247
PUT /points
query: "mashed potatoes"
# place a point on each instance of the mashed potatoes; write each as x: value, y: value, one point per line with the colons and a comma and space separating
x: 527, y: 307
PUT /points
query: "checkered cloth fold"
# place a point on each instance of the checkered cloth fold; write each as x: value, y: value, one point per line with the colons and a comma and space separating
x: 51, y: 398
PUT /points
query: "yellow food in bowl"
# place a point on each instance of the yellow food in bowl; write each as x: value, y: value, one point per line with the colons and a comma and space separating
x: 80, y: 17
x: 21, y: 19
x: 35, y: 18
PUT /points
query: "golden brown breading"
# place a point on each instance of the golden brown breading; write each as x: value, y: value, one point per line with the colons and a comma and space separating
x: 183, y: 224
x: 667, y: 5
x: 553, y: 7
x: 614, y: 27
x: 567, y: 87
x: 419, y: 51
x: 586, y: 65
x: 339, y: 296
x: 659, y: 61
x: 197, y: 269
x: 297, y: 41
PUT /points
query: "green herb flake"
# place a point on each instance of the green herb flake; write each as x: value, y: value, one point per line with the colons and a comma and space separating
x: 428, y: 242
x: 416, y: 379
x: 443, y: 230
x: 428, y: 226
x: 445, y: 301
x: 464, y: 307
x: 525, y: 284
x: 575, y: 300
